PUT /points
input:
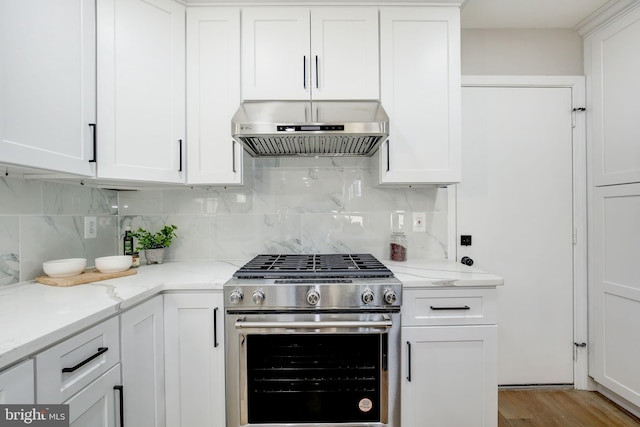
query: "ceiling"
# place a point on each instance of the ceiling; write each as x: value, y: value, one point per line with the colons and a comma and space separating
x: 523, y: 14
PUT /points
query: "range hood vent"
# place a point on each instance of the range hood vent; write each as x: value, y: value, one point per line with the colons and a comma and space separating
x: 318, y: 128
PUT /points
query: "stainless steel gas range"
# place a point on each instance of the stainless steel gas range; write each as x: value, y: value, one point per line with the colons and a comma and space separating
x: 313, y: 340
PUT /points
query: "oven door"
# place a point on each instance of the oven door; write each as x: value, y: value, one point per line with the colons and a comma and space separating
x: 312, y: 369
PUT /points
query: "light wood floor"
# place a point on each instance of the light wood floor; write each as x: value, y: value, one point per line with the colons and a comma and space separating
x: 560, y: 408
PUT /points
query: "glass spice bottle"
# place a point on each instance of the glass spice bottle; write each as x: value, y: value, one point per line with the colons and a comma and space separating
x: 398, y: 247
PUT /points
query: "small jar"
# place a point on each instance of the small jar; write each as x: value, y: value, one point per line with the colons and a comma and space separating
x: 135, y: 260
x: 398, y: 249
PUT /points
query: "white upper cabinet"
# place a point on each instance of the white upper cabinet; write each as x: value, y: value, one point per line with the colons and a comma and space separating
x: 48, y: 92
x: 298, y: 53
x: 420, y: 91
x: 141, y: 90
x: 612, y: 66
x: 344, y: 53
x: 213, y: 95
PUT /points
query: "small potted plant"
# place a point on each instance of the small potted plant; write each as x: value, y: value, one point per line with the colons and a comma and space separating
x: 154, y: 244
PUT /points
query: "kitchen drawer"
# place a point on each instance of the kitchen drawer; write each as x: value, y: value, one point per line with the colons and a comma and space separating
x: 16, y: 384
x: 464, y: 306
x: 64, y: 369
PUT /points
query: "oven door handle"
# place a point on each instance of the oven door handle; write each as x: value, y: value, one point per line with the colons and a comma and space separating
x: 380, y: 324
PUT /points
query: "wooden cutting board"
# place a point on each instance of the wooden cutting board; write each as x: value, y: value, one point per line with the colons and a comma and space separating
x: 87, y: 276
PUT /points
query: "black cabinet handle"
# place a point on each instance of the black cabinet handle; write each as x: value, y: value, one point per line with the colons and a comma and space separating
x: 304, y: 71
x: 388, y: 156
x: 87, y: 360
x: 233, y: 156
x: 121, y: 390
x: 180, y: 148
x: 215, y: 327
x: 466, y: 307
x: 95, y: 143
x: 408, y: 361
x: 317, y: 78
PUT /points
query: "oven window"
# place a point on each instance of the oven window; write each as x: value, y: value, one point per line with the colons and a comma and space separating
x: 314, y: 378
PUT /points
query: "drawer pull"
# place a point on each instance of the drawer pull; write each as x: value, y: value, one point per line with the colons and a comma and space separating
x: 466, y: 307
x: 87, y: 360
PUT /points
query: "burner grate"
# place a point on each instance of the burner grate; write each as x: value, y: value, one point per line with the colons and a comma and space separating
x: 315, y: 265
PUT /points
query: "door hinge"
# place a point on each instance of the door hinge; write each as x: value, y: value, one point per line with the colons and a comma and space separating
x: 573, y: 115
x: 575, y: 236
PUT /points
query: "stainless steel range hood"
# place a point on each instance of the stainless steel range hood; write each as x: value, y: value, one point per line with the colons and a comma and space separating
x: 304, y: 128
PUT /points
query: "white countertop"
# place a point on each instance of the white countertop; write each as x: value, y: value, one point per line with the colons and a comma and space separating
x: 34, y: 316
x: 440, y: 273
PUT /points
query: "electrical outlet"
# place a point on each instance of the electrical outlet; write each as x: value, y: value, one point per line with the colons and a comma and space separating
x: 90, y: 227
x: 420, y: 222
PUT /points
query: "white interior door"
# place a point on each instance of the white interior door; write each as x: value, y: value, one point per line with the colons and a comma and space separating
x: 516, y: 201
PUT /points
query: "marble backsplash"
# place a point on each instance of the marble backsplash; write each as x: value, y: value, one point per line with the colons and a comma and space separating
x: 41, y: 221
x: 285, y: 206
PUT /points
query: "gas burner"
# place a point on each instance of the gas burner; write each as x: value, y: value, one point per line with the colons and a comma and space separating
x: 292, y: 266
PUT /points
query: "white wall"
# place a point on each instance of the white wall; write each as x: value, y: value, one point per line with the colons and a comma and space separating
x: 521, y: 52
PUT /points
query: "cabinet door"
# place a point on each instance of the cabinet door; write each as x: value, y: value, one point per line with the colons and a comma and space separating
x: 213, y: 95
x: 16, y: 384
x: 612, y: 67
x: 614, y: 289
x: 420, y: 91
x: 141, y: 90
x: 275, y: 53
x: 142, y: 346
x: 344, y: 53
x: 194, y: 360
x: 94, y: 405
x: 47, y: 70
x: 449, y: 376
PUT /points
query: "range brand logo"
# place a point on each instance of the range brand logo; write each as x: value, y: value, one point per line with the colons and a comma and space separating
x: 34, y: 415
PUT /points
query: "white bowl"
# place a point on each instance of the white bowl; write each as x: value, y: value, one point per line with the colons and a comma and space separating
x: 64, y: 267
x: 113, y: 264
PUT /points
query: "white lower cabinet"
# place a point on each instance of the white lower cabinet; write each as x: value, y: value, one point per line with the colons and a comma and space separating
x: 194, y: 359
x: 68, y: 367
x: 98, y: 404
x: 16, y: 384
x: 83, y: 372
x: 142, y: 346
x: 449, y: 358
x: 614, y: 289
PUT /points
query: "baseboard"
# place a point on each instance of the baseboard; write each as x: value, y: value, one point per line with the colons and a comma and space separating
x: 620, y: 401
x: 536, y: 387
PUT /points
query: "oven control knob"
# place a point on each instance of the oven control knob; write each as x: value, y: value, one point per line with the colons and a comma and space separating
x: 390, y: 296
x: 313, y: 297
x: 235, y: 296
x: 367, y: 296
x: 258, y: 296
